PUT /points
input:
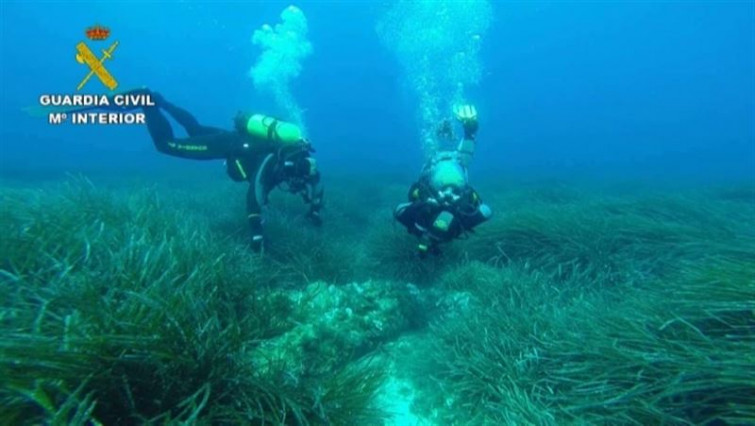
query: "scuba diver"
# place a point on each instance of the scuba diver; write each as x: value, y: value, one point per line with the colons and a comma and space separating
x: 262, y: 150
x: 442, y: 205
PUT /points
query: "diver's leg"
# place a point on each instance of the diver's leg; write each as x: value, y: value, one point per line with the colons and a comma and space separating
x: 313, y: 195
x: 203, y: 143
x: 260, y: 185
x: 186, y: 120
x: 211, y: 146
x: 182, y: 116
x: 157, y: 125
x: 159, y: 129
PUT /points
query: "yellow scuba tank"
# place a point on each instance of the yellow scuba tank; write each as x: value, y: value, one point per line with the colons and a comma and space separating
x: 447, y: 173
x: 273, y: 130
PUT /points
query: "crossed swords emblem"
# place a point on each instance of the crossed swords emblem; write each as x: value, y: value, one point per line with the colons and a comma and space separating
x: 96, y: 67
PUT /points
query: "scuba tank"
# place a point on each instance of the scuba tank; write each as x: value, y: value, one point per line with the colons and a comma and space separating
x: 273, y: 130
x: 444, y: 171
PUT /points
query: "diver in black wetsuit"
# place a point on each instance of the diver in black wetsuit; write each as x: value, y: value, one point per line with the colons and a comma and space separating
x: 261, y: 150
x: 442, y: 206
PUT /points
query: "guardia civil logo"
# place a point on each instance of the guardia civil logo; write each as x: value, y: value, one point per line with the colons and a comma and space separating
x: 96, y: 66
x: 99, y: 105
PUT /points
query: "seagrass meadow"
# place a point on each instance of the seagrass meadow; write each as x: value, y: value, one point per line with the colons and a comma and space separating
x: 136, y: 302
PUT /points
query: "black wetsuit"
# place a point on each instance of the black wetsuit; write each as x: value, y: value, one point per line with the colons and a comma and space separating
x: 264, y: 164
x: 440, y: 214
x: 425, y: 205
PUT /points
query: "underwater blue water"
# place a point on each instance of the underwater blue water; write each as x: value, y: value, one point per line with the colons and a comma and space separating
x: 622, y: 89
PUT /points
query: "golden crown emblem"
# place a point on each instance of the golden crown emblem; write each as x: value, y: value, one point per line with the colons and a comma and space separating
x: 97, y: 32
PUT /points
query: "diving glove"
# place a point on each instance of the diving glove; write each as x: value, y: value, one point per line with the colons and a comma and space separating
x: 467, y: 115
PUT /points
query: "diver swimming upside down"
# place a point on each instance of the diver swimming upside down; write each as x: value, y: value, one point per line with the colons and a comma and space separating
x: 442, y: 205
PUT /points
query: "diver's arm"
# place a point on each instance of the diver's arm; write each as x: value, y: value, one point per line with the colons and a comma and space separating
x: 415, y: 192
x: 467, y: 115
x: 466, y: 149
x: 304, y: 170
x: 299, y: 170
x: 314, y: 197
x: 254, y: 202
x: 260, y: 185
